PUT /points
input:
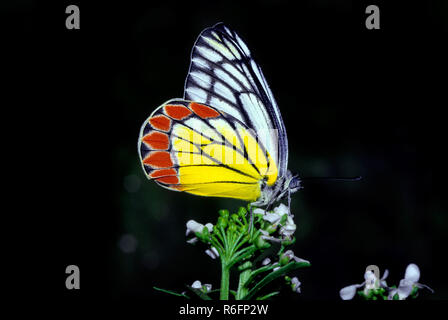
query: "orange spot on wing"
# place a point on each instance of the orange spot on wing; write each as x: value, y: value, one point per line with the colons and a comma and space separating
x: 203, y: 111
x: 158, y: 159
x: 163, y: 173
x: 157, y: 140
x: 168, y: 180
x: 177, y: 112
x: 160, y: 122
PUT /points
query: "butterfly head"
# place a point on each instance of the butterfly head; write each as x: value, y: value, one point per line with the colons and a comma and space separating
x: 295, y: 183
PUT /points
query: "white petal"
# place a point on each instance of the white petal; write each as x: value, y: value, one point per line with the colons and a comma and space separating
x: 412, y: 273
x: 420, y: 285
x: 349, y: 292
x: 197, y: 284
x: 296, y: 284
x: 209, y: 227
x: 272, y: 217
x: 385, y: 274
x: 194, y: 226
x: 370, y: 278
x: 210, y: 253
x: 192, y: 240
x: 289, y: 228
x: 297, y: 259
x: 215, y: 251
x: 281, y: 209
x: 404, y: 289
x: 259, y: 211
x: 266, y: 261
x: 296, y: 281
x: 208, y: 287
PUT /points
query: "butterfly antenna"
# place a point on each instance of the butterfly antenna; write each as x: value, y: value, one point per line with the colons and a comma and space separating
x: 358, y: 178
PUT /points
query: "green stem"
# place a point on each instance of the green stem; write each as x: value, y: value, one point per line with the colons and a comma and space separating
x: 225, y: 275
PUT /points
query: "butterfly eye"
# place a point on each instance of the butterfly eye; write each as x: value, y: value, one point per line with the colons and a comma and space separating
x: 294, y: 184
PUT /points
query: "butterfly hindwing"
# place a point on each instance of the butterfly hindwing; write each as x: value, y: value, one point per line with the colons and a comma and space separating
x: 193, y: 147
x: 223, y: 74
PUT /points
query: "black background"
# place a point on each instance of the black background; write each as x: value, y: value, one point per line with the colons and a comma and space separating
x: 354, y: 101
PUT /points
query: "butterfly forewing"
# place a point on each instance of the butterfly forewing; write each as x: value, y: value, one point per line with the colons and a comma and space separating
x: 223, y: 74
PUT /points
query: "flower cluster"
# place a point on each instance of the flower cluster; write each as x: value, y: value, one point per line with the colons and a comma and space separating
x: 377, y: 289
x: 253, y: 244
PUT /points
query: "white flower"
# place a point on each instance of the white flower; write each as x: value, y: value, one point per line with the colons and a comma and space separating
x: 198, y: 285
x: 411, y: 277
x: 193, y: 227
x: 281, y: 209
x: 276, y: 215
x: 272, y: 218
x: 259, y: 211
x: 371, y: 282
x: 212, y: 252
x: 295, y: 284
x: 288, y: 229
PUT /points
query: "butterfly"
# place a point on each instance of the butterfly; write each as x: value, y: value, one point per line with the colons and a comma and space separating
x: 226, y: 136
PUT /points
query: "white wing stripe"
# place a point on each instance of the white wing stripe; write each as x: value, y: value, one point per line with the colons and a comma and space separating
x: 197, y: 94
x: 242, y: 45
x: 224, y: 76
x: 200, y: 62
x: 219, y: 48
x: 209, y: 54
x: 237, y: 74
x: 233, y: 49
x: 226, y: 108
x: 202, y: 79
x: 224, y: 91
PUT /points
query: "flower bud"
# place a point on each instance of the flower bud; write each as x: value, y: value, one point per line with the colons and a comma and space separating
x: 242, y: 212
x: 224, y: 213
x: 260, y: 243
x: 222, y: 222
x: 284, y: 259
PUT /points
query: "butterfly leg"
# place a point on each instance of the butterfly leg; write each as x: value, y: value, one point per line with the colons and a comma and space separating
x: 289, y: 200
x: 251, y: 219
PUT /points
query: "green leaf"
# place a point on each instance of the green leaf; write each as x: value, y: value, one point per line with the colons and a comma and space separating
x: 274, y: 275
x: 256, y: 272
x: 172, y: 292
x: 268, y: 295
